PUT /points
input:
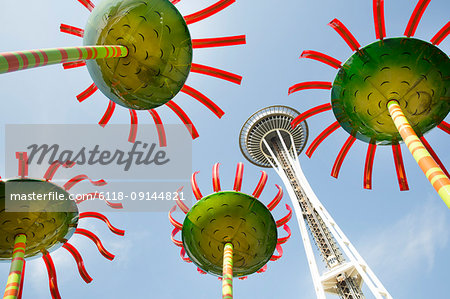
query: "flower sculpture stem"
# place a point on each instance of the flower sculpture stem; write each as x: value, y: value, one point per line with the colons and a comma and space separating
x: 15, y: 272
x: 426, y: 162
x: 227, y: 277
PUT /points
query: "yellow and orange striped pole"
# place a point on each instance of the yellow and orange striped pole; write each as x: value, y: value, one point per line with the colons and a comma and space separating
x: 227, y: 277
x: 15, y: 272
x: 433, y: 172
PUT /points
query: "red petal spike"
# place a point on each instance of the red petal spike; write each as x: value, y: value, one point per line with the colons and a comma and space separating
x: 309, y: 113
x: 108, y: 113
x: 51, y: 170
x: 243, y: 277
x: 322, y: 58
x: 441, y: 35
x: 207, y: 12
x: 133, y: 126
x: 218, y: 41
x: 280, y: 253
x: 444, y: 126
x: 172, y: 220
x: 272, y: 205
x: 102, y: 217
x: 172, y: 237
x: 159, y: 128
x: 23, y: 163
x: 399, y: 167
x: 316, y: 142
x: 309, y: 85
x: 88, y: 4
x: 52, y: 280
x: 195, y: 189
x: 184, y: 118
x: 434, y: 155
x: 87, y: 92
x: 71, y: 30
x: 218, y: 73
x: 183, y: 256
x: 369, y: 166
x: 238, y: 178
x: 261, y: 184
x: 93, y: 195
x: 201, y: 271
x: 180, y: 203
x: 415, y: 17
x: 378, y: 17
x: 216, y: 178
x: 97, y: 242
x: 77, y: 179
x: 263, y: 269
x: 286, y: 218
x: 203, y: 99
x: 285, y: 239
x: 345, y: 34
x: 73, y: 64
x: 80, y: 264
x: 341, y: 156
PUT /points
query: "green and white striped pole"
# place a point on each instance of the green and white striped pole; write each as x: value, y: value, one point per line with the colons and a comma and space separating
x: 15, y: 273
x: 227, y: 277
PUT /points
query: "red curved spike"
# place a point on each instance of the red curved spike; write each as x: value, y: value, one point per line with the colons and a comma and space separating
x: 441, y: 35
x: 88, y: 4
x: 133, y: 126
x: 345, y: 34
x: 77, y: 179
x: 280, y: 253
x: 285, y: 239
x: 94, y: 195
x: 238, y: 178
x: 80, y: 264
x: 243, y: 278
x: 87, y: 92
x: 52, y: 280
x: 207, y: 12
x: 322, y: 58
x: 203, y: 99
x: 309, y: 113
x: 172, y: 237
x: 159, y: 127
x: 341, y: 156
x: 369, y: 166
x: 261, y: 184
x: 181, y: 204
x: 195, y: 189
x: 434, y: 155
x: 263, y: 269
x: 22, y: 278
x: 51, y: 170
x: 71, y: 30
x: 215, y: 177
x: 276, y: 200
x: 184, y: 118
x: 444, y: 126
x: 183, y: 256
x: 399, y: 167
x: 102, y: 217
x: 313, y: 146
x: 218, y: 41
x: 108, y: 113
x: 378, y: 17
x: 23, y: 164
x: 97, y: 242
x: 286, y: 218
x: 214, y: 72
x: 309, y: 85
x: 201, y: 271
x: 73, y: 64
x: 415, y: 17
x: 172, y: 220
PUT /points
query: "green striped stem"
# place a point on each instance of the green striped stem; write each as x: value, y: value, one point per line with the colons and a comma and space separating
x: 21, y: 60
x: 227, y: 277
x: 15, y: 272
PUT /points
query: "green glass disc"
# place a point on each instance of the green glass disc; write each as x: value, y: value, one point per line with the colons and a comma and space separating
x: 159, y: 46
x: 234, y: 217
x: 411, y: 71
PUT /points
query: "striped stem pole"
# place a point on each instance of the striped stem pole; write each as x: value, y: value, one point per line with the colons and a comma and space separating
x: 21, y: 60
x: 433, y: 172
x: 227, y: 277
x: 15, y: 273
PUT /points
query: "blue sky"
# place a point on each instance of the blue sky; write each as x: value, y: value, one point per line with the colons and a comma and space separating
x: 402, y: 235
